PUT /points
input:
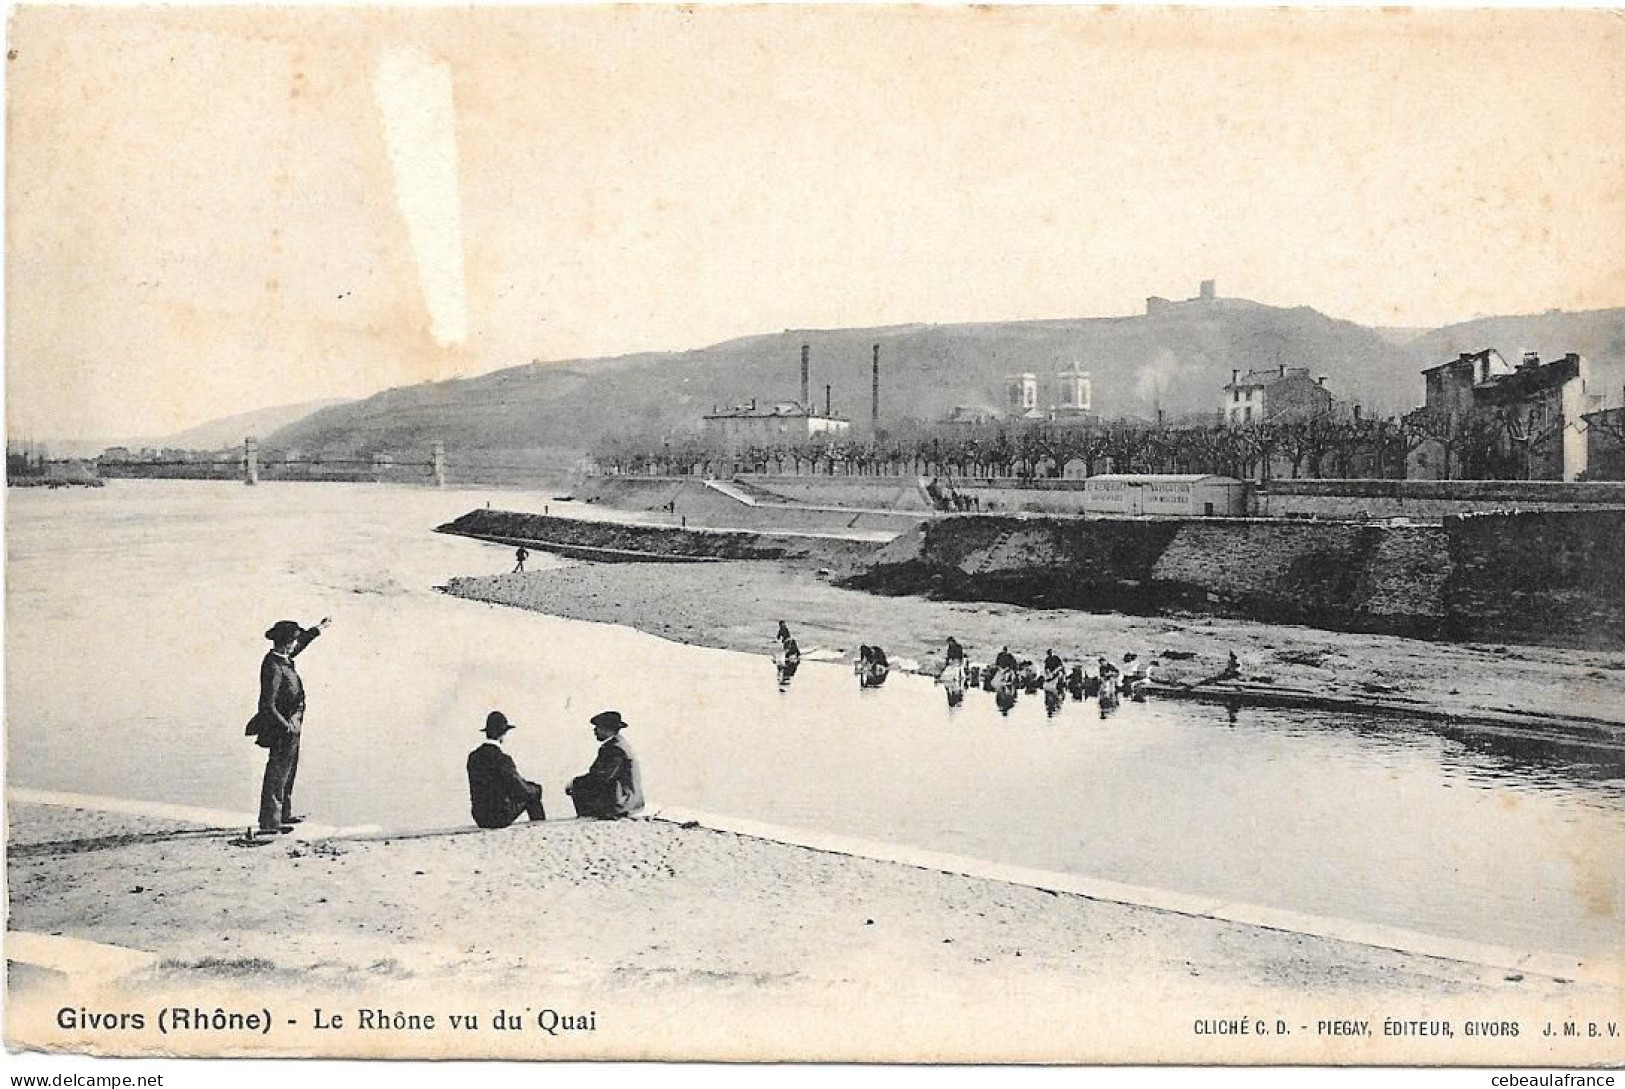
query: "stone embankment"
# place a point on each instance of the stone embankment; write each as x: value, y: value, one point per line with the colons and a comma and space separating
x: 737, y: 505
x: 1428, y: 499
x: 619, y: 542
x: 1548, y: 577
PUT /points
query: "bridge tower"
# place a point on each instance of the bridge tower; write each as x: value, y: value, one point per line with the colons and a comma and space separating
x: 251, y: 460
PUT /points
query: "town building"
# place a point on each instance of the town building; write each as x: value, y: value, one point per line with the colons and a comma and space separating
x: 1067, y: 396
x: 1449, y: 385
x: 1021, y: 396
x: 774, y: 424
x: 1605, y: 444
x: 1178, y: 494
x: 1283, y: 395
x: 1073, y: 395
x: 1531, y: 416
x: 972, y: 415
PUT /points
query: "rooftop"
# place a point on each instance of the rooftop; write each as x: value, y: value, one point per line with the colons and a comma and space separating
x: 1269, y: 377
x: 1532, y: 376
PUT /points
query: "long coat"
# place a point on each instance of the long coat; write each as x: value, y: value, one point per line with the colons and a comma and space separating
x: 613, y: 786
x: 282, y: 694
x: 497, y: 793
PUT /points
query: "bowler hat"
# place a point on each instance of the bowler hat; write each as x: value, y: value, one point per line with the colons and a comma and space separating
x: 497, y: 724
x: 283, y: 630
x: 609, y: 720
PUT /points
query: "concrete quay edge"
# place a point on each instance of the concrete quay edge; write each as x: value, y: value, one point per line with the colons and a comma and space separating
x: 1562, y: 966
x: 222, y: 819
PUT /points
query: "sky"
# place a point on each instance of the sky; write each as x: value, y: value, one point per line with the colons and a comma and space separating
x: 215, y: 211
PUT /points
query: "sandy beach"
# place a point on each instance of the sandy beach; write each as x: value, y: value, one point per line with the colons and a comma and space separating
x: 737, y: 605
x: 689, y: 942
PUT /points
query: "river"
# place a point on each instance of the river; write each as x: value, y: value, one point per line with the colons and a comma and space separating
x: 134, y: 616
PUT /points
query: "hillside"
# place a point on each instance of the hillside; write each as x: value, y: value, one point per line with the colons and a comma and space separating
x: 1177, y: 359
x: 231, y: 430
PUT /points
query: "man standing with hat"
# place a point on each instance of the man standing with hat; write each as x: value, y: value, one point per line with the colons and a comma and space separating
x: 613, y: 786
x: 496, y: 792
x: 277, y: 723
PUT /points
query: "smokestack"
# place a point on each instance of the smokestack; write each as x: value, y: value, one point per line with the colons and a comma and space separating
x: 806, y: 394
x: 874, y: 395
x: 1235, y: 376
x: 826, y: 403
x: 1282, y: 368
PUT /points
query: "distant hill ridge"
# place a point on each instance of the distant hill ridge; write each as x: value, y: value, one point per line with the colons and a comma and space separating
x: 1176, y: 359
x: 229, y: 430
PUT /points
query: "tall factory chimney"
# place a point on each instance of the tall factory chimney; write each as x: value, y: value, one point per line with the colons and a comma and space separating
x: 806, y: 395
x: 827, y: 415
x: 874, y: 395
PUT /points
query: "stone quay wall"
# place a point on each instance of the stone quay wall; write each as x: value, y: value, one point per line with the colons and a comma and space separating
x: 1548, y: 577
x: 1419, y: 500
x: 1426, y: 499
x: 1540, y: 577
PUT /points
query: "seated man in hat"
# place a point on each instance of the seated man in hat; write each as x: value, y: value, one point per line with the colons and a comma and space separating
x: 613, y: 786
x: 496, y: 792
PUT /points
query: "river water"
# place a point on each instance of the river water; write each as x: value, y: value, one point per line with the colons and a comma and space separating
x: 134, y: 616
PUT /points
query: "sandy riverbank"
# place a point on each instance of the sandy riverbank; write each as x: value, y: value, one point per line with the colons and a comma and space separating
x: 688, y: 942
x: 737, y: 606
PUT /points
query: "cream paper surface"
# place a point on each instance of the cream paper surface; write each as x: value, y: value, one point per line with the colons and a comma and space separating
x: 216, y: 210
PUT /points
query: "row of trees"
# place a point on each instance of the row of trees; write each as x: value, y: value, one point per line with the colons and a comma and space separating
x: 1040, y: 449
x: 1473, y: 445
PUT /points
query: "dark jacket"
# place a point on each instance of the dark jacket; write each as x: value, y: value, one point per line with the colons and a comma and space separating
x: 282, y: 693
x: 496, y: 791
x: 615, y: 779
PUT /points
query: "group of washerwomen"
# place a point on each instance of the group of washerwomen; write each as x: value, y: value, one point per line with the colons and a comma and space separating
x: 872, y: 666
x: 1101, y: 679
x: 612, y: 787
